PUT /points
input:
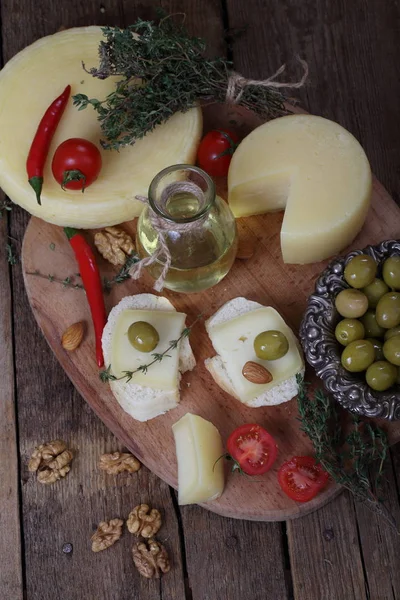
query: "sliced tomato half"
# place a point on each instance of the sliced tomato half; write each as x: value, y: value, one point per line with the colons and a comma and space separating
x: 252, y: 448
x: 301, y: 478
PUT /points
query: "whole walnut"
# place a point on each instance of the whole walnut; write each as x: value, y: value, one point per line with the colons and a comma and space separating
x: 150, y: 558
x: 144, y: 522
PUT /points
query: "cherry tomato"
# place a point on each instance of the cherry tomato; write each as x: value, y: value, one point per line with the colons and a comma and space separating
x: 76, y: 164
x: 301, y: 478
x: 252, y: 448
x: 215, y: 152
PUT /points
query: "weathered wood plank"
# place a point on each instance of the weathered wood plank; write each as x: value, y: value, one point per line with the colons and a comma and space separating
x: 11, y: 581
x: 48, y: 407
x: 346, y: 47
x: 325, y: 555
x: 380, y: 547
x: 221, y: 554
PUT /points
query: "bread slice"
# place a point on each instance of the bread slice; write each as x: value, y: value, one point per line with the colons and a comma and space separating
x: 282, y: 392
x: 144, y: 403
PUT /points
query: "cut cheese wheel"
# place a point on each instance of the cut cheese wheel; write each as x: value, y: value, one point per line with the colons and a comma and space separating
x: 198, y: 448
x: 28, y: 85
x: 315, y: 170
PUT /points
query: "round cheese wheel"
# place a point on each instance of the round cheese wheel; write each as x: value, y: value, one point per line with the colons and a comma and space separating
x: 28, y: 85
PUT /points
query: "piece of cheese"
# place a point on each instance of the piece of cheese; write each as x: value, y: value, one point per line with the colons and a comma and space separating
x: 233, y: 340
x: 198, y: 448
x: 124, y: 357
x: 29, y: 83
x: 315, y: 170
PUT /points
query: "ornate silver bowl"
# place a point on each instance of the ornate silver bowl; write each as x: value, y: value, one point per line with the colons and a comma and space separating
x: 322, y: 351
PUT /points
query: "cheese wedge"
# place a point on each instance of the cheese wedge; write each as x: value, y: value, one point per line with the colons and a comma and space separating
x: 149, y: 394
x: 232, y: 331
x: 315, y: 170
x: 198, y: 448
x: 29, y: 83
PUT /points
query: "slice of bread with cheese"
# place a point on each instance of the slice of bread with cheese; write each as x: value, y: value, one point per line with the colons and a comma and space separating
x: 232, y: 330
x: 154, y: 391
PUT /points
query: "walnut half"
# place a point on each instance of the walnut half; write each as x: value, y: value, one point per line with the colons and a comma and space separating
x: 106, y: 534
x: 144, y: 522
x: 117, y: 462
x: 114, y: 244
x: 150, y: 558
x: 51, y: 461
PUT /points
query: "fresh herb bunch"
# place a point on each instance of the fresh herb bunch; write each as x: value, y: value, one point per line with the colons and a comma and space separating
x: 162, y: 70
x: 106, y: 374
x: 348, y: 456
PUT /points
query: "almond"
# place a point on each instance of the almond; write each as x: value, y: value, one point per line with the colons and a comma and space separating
x: 256, y: 373
x: 73, y: 336
x: 246, y: 248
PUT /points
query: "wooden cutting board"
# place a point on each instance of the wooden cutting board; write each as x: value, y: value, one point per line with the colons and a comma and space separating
x: 263, y: 278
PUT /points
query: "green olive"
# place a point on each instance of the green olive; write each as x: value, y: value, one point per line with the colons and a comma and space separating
x: 398, y: 376
x: 392, y: 332
x: 374, y: 292
x: 378, y: 347
x: 351, y: 303
x: 381, y: 375
x: 349, y: 330
x: 391, y: 272
x: 271, y: 345
x: 388, y: 310
x: 360, y: 271
x: 358, y: 355
x: 143, y: 336
x: 372, y: 329
x: 391, y: 350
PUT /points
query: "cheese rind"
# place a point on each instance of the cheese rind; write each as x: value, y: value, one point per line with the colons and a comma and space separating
x: 124, y: 357
x: 316, y: 170
x: 198, y: 448
x: 29, y: 83
x: 233, y: 340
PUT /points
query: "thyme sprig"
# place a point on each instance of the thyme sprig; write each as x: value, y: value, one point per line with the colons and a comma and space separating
x: 348, y: 456
x: 106, y: 374
x: 67, y: 282
x: 6, y: 206
x: 123, y: 274
x: 161, y: 70
x: 11, y: 256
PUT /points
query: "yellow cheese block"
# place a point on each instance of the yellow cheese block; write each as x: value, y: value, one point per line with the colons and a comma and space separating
x: 198, y: 447
x: 28, y: 85
x: 234, y: 339
x: 124, y: 357
x: 315, y: 170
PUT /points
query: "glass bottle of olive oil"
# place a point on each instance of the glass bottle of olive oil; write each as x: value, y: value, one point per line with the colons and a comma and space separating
x: 198, y: 227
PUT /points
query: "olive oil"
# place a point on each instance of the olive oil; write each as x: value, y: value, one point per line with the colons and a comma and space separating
x: 201, y: 256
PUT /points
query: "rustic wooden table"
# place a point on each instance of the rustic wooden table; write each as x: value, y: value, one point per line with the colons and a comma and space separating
x: 341, y: 552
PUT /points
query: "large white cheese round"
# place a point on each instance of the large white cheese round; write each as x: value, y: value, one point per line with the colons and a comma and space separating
x: 28, y: 85
x: 315, y: 170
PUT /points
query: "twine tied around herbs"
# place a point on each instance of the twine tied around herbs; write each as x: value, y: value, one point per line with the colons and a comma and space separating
x: 162, y: 226
x: 237, y: 83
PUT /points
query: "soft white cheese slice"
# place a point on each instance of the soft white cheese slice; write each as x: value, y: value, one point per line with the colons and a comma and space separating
x: 198, y: 447
x: 233, y: 340
x: 124, y: 357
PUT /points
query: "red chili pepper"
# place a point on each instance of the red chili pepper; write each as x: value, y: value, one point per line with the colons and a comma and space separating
x: 41, y: 142
x: 92, y: 283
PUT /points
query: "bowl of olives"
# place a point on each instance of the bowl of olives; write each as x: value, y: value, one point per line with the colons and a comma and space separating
x: 350, y: 331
